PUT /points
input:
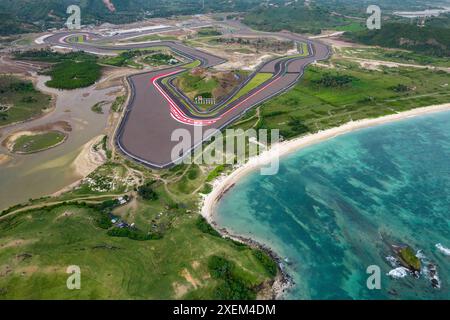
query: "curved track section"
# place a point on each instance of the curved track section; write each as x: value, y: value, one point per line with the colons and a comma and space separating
x: 154, y: 111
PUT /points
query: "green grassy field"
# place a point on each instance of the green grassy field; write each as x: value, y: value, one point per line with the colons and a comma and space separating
x: 296, y: 17
x: 70, y: 70
x: 75, y: 39
x: 258, y: 79
x: 428, y: 40
x: 19, y: 100
x: 193, y: 64
x: 118, y: 103
x: 97, y: 108
x: 48, y: 55
x: 193, y: 85
x: 74, y: 74
x: 151, y: 37
x: 160, y: 59
x: 354, y: 26
x: 38, y: 142
x: 108, y: 178
x: 208, y: 32
x: 401, y: 56
x: 318, y: 103
x: 37, y: 246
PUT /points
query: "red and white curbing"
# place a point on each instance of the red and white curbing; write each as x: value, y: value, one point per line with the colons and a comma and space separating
x: 180, y: 116
x: 175, y: 111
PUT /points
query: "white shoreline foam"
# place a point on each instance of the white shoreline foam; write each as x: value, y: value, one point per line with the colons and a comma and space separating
x: 223, y: 183
x: 398, y: 273
x: 443, y: 249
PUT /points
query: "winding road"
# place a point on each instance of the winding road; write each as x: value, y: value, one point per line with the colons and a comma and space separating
x: 155, y: 110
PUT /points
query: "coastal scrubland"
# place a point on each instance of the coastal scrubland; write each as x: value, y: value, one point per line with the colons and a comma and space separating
x: 400, y: 56
x: 160, y: 252
x: 428, y: 40
x: 346, y: 91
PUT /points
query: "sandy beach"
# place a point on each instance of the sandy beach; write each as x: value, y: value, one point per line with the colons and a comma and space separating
x: 4, y: 158
x: 224, y: 183
x: 85, y: 163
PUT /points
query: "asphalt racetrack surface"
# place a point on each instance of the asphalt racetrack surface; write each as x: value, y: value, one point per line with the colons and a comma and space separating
x: 154, y: 113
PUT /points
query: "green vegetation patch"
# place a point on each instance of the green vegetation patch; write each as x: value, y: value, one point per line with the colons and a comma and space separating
x: 189, y: 82
x: 269, y: 264
x: 409, y: 258
x: 205, y: 227
x: 208, y: 32
x: 206, y: 88
x: 295, y: 17
x: 38, y: 142
x: 327, y: 98
x: 70, y: 70
x: 20, y: 101
x: 73, y: 74
x: 117, y: 105
x: 231, y: 286
x: 147, y: 192
x: 193, y: 64
x: 353, y: 27
x: 122, y: 59
x: 424, y: 40
x: 155, y: 56
x: 151, y: 37
x: 133, y: 234
x: 257, y: 80
x: 215, y: 173
x: 108, y: 178
x: 401, y: 56
x: 113, y: 266
x: 335, y: 80
x: 47, y: 55
x: 160, y: 59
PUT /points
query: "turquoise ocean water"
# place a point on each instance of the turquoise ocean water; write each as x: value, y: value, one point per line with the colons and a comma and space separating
x: 338, y: 207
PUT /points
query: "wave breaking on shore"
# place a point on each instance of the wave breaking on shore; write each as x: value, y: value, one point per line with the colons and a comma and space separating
x: 225, y: 182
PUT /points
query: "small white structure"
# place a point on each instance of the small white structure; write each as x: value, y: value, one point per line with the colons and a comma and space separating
x: 125, y: 31
x: 122, y: 200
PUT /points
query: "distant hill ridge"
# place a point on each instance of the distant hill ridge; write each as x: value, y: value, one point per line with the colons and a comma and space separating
x: 433, y: 41
x: 19, y: 16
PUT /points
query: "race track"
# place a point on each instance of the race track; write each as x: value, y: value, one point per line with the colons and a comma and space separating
x: 154, y: 111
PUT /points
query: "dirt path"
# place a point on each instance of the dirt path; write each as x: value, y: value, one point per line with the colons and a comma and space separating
x: 374, y: 64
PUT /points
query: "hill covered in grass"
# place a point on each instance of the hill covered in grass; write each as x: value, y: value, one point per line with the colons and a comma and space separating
x: 296, y: 17
x: 19, y: 100
x: 428, y: 40
x: 313, y: 16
